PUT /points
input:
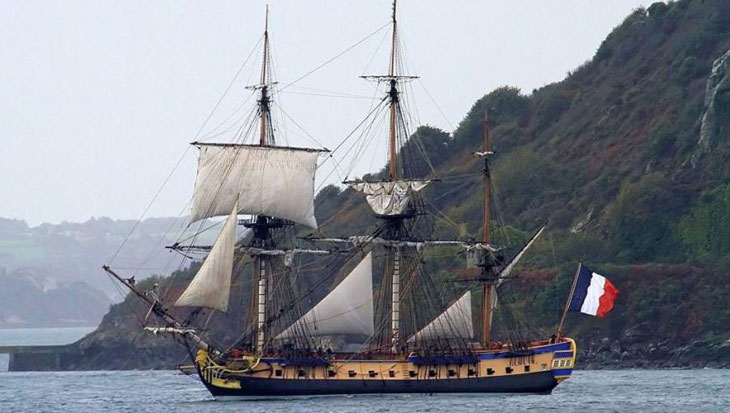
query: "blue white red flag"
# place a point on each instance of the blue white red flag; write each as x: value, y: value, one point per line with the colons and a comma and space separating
x: 593, y: 293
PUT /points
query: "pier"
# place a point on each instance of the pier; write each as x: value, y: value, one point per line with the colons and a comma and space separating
x: 36, y: 358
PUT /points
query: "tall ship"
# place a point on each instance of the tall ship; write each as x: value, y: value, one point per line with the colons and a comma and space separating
x: 416, y: 332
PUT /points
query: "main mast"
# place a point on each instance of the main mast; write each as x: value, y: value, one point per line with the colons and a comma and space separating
x: 393, y: 175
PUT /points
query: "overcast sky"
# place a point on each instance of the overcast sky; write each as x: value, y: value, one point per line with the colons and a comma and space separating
x: 99, y: 99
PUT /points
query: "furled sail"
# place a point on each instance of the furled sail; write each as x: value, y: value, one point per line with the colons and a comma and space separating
x: 348, y: 309
x: 389, y: 198
x: 212, y: 284
x: 454, y: 323
x: 266, y: 180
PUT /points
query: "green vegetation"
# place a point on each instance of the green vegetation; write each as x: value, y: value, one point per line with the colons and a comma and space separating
x: 641, y: 220
x: 705, y: 231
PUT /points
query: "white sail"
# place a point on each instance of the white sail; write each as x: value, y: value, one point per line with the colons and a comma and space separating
x: 212, y: 284
x: 454, y: 323
x: 348, y: 309
x: 389, y: 197
x: 266, y: 180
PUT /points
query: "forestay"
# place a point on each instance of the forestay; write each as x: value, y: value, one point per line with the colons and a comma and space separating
x: 348, y: 309
x: 266, y: 180
x: 389, y: 198
x: 212, y: 284
x: 454, y: 323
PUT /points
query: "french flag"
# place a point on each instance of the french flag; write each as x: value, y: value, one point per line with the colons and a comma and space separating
x: 593, y: 293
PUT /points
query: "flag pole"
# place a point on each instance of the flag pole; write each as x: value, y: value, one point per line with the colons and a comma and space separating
x: 570, y: 298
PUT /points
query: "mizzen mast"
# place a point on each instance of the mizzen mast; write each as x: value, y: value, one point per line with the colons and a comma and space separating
x: 487, y: 279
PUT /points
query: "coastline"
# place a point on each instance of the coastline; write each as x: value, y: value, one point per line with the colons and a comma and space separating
x: 166, y: 354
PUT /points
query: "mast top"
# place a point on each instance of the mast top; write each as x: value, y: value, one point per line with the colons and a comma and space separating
x: 264, y: 101
x: 391, y: 68
x: 486, y: 219
x: 266, y: 48
x: 266, y: 22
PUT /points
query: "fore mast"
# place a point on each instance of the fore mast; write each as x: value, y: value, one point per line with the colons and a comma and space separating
x: 275, y: 186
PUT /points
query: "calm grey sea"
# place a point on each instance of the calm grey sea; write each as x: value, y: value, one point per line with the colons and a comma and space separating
x: 168, y: 391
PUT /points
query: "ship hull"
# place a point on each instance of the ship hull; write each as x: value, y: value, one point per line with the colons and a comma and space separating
x: 535, y: 383
x: 533, y: 371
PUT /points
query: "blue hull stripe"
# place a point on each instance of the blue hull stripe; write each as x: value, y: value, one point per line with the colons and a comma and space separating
x: 562, y: 350
x: 540, y: 350
x: 562, y: 372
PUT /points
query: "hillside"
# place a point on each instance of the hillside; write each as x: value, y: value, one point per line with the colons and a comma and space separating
x: 626, y: 160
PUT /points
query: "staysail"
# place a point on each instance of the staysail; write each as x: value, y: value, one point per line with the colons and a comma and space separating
x: 348, y: 309
x: 212, y: 284
x: 266, y: 180
x: 389, y: 198
x: 454, y: 323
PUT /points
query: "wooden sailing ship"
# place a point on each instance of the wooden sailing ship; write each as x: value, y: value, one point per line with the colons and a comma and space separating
x: 416, y: 340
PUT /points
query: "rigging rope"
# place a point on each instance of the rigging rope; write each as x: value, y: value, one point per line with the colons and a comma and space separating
x: 333, y: 58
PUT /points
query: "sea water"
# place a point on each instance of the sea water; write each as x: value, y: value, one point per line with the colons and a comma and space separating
x: 701, y: 390
x: 169, y: 391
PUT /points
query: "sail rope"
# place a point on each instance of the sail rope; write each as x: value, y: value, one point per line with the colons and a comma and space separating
x: 332, y: 59
x: 377, y: 49
x: 306, y: 134
x: 333, y: 94
x: 435, y: 103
